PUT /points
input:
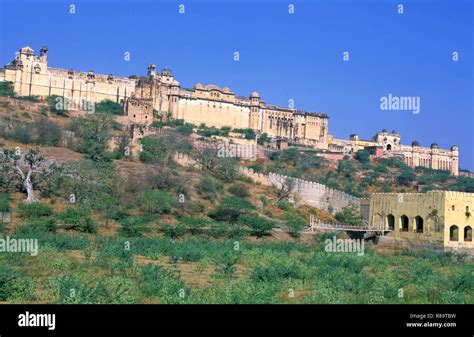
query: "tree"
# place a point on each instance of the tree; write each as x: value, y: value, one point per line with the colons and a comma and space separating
x: 108, y: 205
x: 78, y: 219
x: 208, y: 158
x: 25, y: 166
x: 94, y: 134
x: 286, y: 188
x: 258, y: 226
x: 156, y: 202
x: 161, y: 149
x: 4, y: 205
x: 194, y: 225
x: 109, y: 107
x: 48, y: 133
x: 363, y: 156
x: 295, y: 224
x: 6, y: 89
x: 406, y: 177
x: 349, y: 215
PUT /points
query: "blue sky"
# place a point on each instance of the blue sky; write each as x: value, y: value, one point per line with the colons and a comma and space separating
x: 282, y: 56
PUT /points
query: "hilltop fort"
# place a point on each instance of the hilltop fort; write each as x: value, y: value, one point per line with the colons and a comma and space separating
x: 160, y: 94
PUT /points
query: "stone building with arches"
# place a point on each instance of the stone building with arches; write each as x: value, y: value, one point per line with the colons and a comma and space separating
x: 443, y: 219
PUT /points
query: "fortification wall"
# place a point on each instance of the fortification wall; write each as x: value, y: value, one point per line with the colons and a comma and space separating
x: 309, y: 193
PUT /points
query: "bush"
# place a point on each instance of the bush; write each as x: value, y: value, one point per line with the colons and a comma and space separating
x: 187, y: 128
x: 48, y: 133
x: 4, y: 202
x: 22, y: 134
x: 57, y: 105
x: 134, y: 226
x: 225, y: 214
x: 363, y: 156
x: 194, y: 225
x: 42, y: 224
x: 173, y: 232
x: 78, y: 219
x: 262, y: 139
x: 258, y: 226
x: 208, y: 187
x: 156, y: 202
x: 6, y: 275
x: 34, y: 210
x: 239, y: 190
x: 237, y: 203
x: 295, y: 224
x: 350, y: 215
x: 6, y: 89
x: 157, y: 281
x: 406, y: 177
x: 284, y: 205
x: 110, y: 107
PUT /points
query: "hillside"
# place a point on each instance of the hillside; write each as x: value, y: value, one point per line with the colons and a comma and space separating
x: 119, y: 230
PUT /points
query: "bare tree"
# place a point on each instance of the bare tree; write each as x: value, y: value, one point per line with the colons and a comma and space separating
x: 25, y: 166
x: 286, y: 188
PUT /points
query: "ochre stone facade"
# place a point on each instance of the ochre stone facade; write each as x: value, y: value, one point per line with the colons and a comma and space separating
x: 389, y: 144
x: 160, y: 94
x: 443, y: 218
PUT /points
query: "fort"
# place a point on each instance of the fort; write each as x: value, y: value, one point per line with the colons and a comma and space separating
x: 160, y: 95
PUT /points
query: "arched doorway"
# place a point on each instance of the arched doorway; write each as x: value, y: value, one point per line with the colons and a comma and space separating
x: 419, y: 224
x: 405, y: 223
x: 389, y: 147
x: 453, y: 233
x: 391, y: 222
x: 377, y: 221
x: 468, y: 233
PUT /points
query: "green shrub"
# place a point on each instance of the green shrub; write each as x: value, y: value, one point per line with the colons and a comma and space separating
x: 134, y: 226
x: 42, y: 224
x: 349, y: 215
x: 6, y: 89
x: 295, y: 224
x: 406, y: 177
x: 237, y: 203
x: 239, y: 190
x: 225, y: 214
x: 187, y: 128
x: 156, y: 202
x: 173, y: 232
x: 208, y: 187
x: 155, y: 281
x: 219, y: 230
x: 77, y: 219
x: 258, y: 225
x: 110, y: 107
x: 363, y: 156
x: 48, y: 133
x: 34, y: 210
x: 22, y: 134
x: 194, y: 225
x: 7, y: 274
x: 284, y: 205
x: 58, y: 105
